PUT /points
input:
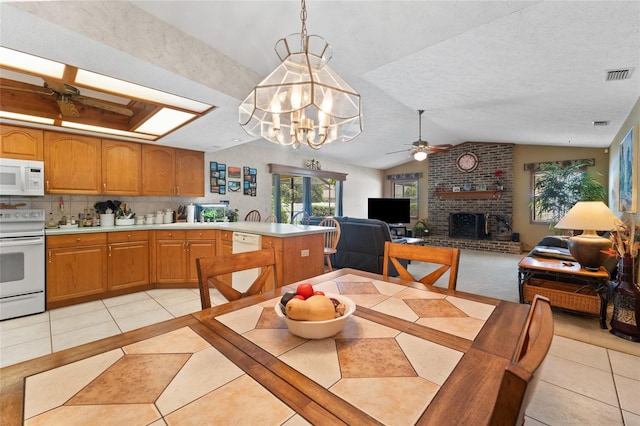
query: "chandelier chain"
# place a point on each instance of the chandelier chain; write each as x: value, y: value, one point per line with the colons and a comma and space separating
x: 303, y: 18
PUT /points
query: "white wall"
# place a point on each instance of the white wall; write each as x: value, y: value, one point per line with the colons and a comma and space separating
x: 361, y: 183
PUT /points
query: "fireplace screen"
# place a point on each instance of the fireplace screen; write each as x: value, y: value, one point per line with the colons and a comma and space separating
x: 473, y: 226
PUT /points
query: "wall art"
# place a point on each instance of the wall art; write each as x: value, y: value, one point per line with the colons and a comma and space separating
x: 627, y: 189
x: 218, y: 177
x: 250, y: 184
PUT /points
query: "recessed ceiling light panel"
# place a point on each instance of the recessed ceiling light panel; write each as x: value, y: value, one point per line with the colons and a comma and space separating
x: 22, y: 61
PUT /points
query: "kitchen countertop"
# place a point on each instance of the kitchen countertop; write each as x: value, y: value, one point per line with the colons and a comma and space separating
x: 282, y: 230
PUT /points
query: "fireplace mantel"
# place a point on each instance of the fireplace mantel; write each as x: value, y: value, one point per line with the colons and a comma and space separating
x: 469, y: 195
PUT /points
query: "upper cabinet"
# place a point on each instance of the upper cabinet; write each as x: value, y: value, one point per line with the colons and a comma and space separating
x: 158, y: 170
x: 121, y: 167
x: 21, y: 143
x: 172, y: 172
x: 73, y: 164
x: 189, y: 173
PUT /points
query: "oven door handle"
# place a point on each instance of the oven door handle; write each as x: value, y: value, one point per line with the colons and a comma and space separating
x: 22, y: 242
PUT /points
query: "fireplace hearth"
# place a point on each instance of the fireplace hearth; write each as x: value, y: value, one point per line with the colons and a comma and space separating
x: 474, y: 226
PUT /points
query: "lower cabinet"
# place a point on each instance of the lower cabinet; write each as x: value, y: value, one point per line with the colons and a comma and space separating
x: 127, y: 259
x: 76, y: 267
x: 177, y: 251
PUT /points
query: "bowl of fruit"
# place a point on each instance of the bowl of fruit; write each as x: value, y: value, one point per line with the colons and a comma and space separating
x: 314, y: 314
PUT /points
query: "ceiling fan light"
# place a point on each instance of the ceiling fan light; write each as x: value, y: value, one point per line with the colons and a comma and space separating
x: 419, y: 155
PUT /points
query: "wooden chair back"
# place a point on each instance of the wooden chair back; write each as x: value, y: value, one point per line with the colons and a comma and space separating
x: 253, y: 216
x: 271, y: 219
x: 301, y: 218
x: 210, y: 269
x: 448, y: 258
x: 331, y: 239
x: 520, y: 378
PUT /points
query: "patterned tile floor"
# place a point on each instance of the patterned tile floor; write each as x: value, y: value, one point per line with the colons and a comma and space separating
x: 580, y: 384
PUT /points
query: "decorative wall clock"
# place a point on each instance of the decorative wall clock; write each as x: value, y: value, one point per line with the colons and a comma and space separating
x: 467, y: 162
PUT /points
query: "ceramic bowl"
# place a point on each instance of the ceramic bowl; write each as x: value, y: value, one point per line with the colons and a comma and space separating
x: 121, y: 222
x: 319, y: 329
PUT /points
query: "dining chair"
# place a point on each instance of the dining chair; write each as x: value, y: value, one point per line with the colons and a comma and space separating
x: 331, y: 239
x: 271, y: 219
x: 520, y: 378
x: 253, y: 216
x: 210, y: 270
x: 301, y: 218
x: 448, y: 258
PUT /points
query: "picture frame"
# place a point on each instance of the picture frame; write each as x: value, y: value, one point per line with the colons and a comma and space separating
x: 628, y: 172
x: 483, y: 187
x: 456, y: 189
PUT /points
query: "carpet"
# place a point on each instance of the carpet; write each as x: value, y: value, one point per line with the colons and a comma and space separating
x: 496, y: 275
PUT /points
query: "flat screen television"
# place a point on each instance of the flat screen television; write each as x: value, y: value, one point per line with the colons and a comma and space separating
x: 390, y: 210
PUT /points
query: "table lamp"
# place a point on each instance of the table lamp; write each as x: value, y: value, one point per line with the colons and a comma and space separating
x: 589, y: 249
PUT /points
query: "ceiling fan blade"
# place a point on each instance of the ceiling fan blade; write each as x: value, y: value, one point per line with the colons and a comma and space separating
x: 67, y: 108
x: 395, y: 152
x: 439, y: 148
x: 20, y: 89
x: 104, y: 105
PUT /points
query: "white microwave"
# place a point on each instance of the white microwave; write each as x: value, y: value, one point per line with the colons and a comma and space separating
x: 21, y: 177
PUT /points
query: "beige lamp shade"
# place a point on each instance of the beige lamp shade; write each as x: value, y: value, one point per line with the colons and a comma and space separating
x: 589, y: 249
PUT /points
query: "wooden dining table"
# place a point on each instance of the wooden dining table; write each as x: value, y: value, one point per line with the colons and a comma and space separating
x: 410, y: 354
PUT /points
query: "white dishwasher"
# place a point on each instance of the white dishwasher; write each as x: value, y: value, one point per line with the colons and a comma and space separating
x: 242, y: 243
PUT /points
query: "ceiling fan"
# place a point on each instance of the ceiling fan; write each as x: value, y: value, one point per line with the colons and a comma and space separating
x: 65, y: 96
x: 420, y: 148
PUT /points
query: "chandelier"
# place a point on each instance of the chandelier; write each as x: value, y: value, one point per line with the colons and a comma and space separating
x: 303, y: 101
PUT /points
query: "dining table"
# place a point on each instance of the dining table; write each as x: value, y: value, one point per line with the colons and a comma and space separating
x: 410, y: 354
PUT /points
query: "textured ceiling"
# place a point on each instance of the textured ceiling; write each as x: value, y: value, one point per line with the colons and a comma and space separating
x: 494, y: 71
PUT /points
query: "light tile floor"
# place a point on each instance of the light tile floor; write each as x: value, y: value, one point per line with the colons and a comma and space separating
x: 580, y: 384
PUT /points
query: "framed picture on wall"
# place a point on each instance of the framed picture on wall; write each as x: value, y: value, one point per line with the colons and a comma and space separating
x: 628, y: 174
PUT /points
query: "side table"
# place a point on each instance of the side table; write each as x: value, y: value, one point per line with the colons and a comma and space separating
x: 566, y: 284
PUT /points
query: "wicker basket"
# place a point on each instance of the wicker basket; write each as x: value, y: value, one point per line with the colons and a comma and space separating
x: 564, y: 295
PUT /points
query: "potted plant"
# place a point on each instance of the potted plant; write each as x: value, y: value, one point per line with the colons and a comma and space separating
x: 558, y: 187
x: 421, y: 228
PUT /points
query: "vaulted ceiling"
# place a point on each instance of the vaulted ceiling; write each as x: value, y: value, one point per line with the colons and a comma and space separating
x: 496, y: 71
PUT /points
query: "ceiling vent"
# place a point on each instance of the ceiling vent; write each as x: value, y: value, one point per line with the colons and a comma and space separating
x: 621, y: 74
x: 600, y: 123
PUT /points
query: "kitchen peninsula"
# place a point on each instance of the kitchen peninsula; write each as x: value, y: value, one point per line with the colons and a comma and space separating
x: 85, y: 264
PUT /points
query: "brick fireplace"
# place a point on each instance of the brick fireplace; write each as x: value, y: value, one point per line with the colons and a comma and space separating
x: 452, y: 191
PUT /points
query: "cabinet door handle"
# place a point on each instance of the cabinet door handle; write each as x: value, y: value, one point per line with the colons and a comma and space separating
x: 47, y: 186
x: 78, y: 239
x: 109, y: 250
x: 177, y: 190
x: 186, y: 246
x: 104, y: 187
x: 50, y: 256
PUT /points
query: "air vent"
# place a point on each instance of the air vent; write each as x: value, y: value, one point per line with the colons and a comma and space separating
x: 600, y: 123
x: 621, y: 74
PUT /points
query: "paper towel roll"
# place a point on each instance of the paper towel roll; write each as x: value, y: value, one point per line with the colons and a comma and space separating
x: 191, y: 213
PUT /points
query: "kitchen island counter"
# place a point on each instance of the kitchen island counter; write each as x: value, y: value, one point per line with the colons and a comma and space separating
x: 281, y: 230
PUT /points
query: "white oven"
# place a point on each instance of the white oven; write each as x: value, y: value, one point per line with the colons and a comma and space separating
x: 21, y: 177
x: 22, y: 262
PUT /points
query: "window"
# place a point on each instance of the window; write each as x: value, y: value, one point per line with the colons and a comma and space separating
x: 407, y: 189
x: 556, y: 187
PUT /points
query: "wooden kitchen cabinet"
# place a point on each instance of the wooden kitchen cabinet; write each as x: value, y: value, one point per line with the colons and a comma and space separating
x: 189, y: 173
x: 121, y: 167
x: 73, y: 164
x: 128, y: 260
x: 298, y: 257
x: 200, y: 243
x: 21, y: 143
x: 158, y: 170
x: 76, y: 268
x: 172, y: 172
x: 176, y: 254
x: 170, y: 257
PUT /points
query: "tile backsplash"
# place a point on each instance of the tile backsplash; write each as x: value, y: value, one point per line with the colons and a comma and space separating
x: 75, y: 204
